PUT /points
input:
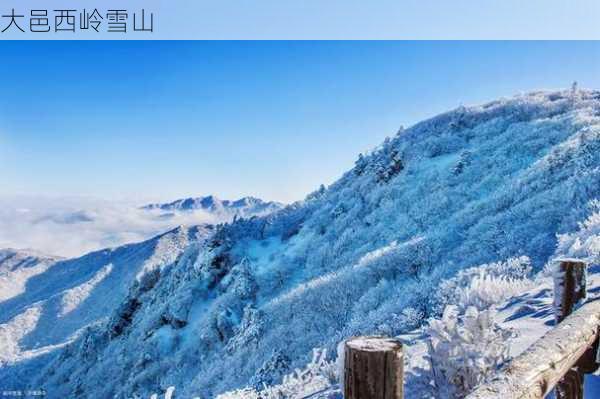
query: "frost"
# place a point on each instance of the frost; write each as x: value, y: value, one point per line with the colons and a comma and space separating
x: 487, y: 284
x: 486, y: 290
x: 168, y: 393
x: 318, y: 375
x: 466, y: 348
x: 584, y: 243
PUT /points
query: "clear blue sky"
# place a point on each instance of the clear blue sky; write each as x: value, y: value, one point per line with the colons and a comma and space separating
x: 163, y: 120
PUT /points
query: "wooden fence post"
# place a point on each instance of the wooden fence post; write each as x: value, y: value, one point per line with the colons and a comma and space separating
x: 570, y: 290
x: 373, y: 368
x: 569, y: 287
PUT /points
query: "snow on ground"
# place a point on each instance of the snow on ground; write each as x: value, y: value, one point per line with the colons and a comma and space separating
x: 17, y: 267
x: 61, y: 298
x: 73, y: 297
x: 13, y: 331
x: 374, y: 253
x: 528, y: 314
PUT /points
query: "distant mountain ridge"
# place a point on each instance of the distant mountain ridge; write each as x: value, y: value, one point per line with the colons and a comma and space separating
x: 45, y: 301
x: 17, y: 266
x: 14, y: 259
x: 243, y: 207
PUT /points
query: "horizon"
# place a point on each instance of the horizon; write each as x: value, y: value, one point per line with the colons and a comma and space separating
x: 272, y: 120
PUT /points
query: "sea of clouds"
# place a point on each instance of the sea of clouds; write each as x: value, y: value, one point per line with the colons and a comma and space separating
x: 71, y: 227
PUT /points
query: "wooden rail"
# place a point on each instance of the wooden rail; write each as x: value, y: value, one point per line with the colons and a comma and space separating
x: 561, y: 357
x: 373, y: 366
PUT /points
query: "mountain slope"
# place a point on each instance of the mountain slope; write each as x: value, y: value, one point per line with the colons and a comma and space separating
x: 522, y: 305
x: 17, y: 266
x: 64, y: 296
x: 366, y: 255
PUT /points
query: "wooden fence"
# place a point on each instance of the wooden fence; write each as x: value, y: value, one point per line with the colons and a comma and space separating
x: 559, y: 360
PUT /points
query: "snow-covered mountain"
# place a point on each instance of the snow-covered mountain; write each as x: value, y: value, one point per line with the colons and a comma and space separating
x: 73, y: 226
x: 47, y: 302
x: 511, y: 309
x: 243, y: 207
x: 249, y: 301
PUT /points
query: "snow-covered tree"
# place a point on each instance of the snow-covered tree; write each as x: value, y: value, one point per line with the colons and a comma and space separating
x: 465, y: 349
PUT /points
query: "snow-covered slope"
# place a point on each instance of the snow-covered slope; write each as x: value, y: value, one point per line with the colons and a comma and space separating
x: 54, y: 299
x: 225, y: 209
x: 523, y: 307
x: 17, y: 266
x: 365, y: 255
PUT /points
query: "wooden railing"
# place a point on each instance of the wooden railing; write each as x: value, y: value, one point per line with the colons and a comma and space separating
x: 559, y: 360
x: 556, y: 359
x: 562, y: 357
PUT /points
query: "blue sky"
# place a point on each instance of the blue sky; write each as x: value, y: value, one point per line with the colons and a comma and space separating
x: 161, y: 120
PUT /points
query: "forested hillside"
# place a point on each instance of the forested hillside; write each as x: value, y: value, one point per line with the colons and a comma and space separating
x: 246, y: 303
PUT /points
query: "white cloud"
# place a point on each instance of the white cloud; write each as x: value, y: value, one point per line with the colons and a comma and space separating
x: 74, y: 226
